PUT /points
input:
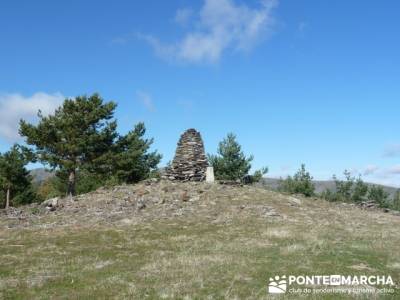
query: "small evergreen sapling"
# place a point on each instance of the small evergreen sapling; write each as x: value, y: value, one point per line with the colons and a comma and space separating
x: 232, y: 164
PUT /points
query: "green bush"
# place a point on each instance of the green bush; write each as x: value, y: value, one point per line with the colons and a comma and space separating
x: 232, y: 164
x: 300, y: 183
x: 377, y: 193
x: 348, y: 190
x: 396, y: 201
x: 15, y: 180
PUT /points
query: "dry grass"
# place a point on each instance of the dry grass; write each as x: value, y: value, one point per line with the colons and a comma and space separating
x: 223, y: 245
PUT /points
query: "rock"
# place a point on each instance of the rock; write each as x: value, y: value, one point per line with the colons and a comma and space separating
x: 51, y: 208
x: 126, y: 221
x: 271, y: 212
x: 141, y: 192
x: 295, y: 200
x: 368, y: 204
x: 151, y: 181
x: 230, y: 182
x: 195, y: 198
x: 185, y: 197
x: 50, y: 204
x: 190, y: 161
x: 141, y: 205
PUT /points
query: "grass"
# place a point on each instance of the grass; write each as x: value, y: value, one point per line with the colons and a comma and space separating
x: 230, y: 255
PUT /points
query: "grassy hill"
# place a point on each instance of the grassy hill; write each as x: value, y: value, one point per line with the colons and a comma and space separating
x: 164, y: 240
x: 40, y: 174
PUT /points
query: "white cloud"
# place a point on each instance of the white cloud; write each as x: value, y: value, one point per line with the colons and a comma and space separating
x: 14, y: 107
x: 394, y: 170
x: 220, y: 25
x: 146, y: 100
x: 389, y: 176
x: 369, y: 170
x: 182, y: 16
x: 392, y: 150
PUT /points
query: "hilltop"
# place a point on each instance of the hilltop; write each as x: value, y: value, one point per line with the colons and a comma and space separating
x: 40, y: 174
x: 163, y: 239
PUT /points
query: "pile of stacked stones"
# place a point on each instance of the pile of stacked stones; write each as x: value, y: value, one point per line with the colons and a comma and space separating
x: 190, y: 162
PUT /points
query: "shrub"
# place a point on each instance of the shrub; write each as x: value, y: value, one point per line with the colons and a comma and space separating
x: 15, y: 183
x: 231, y: 163
x: 396, y: 201
x: 300, y: 183
x: 348, y: 190
x: 377, y: 193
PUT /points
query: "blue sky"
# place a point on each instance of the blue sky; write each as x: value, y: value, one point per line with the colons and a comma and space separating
x: 313, y: 82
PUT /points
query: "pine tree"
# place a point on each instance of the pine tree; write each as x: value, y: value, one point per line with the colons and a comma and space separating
x: 130, y: 160
x: 359, y: 190
x: 15, y: 182
x: 78, y: 133
x: 300, y: 183
x: 396, y: 200
x: 344, y: 188
x: 378, y: 194
x: 230, y: 163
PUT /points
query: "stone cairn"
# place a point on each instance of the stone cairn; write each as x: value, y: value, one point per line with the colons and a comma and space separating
x: 190, y: 162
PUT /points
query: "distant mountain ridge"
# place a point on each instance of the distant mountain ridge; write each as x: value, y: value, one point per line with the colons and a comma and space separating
x: 39, y: 175
x: 322, y: 185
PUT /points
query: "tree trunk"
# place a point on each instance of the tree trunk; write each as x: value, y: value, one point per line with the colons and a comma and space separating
x: 8, y: 198
x: 71, y: 184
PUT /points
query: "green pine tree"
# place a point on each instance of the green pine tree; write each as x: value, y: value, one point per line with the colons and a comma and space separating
x: 132, y: 161
x: 300, y: 183
x: 378, y: 194
x: 344, y: 188
x: 15, y: 182
x: 230, y: 163
x: 78, y: 133
x: 359, y: 191
x: 396, y: 200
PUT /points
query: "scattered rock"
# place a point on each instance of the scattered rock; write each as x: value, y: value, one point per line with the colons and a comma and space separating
x: 141, y: 192
x: 126, y: 221
x: 163, y: 200
x: 185, y: 196
x: 271, y: 212
x: 368, y: 205
x: 141, y: 205
x: 295, y: 200
x: 230, y: 182
x: 51, y: 204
